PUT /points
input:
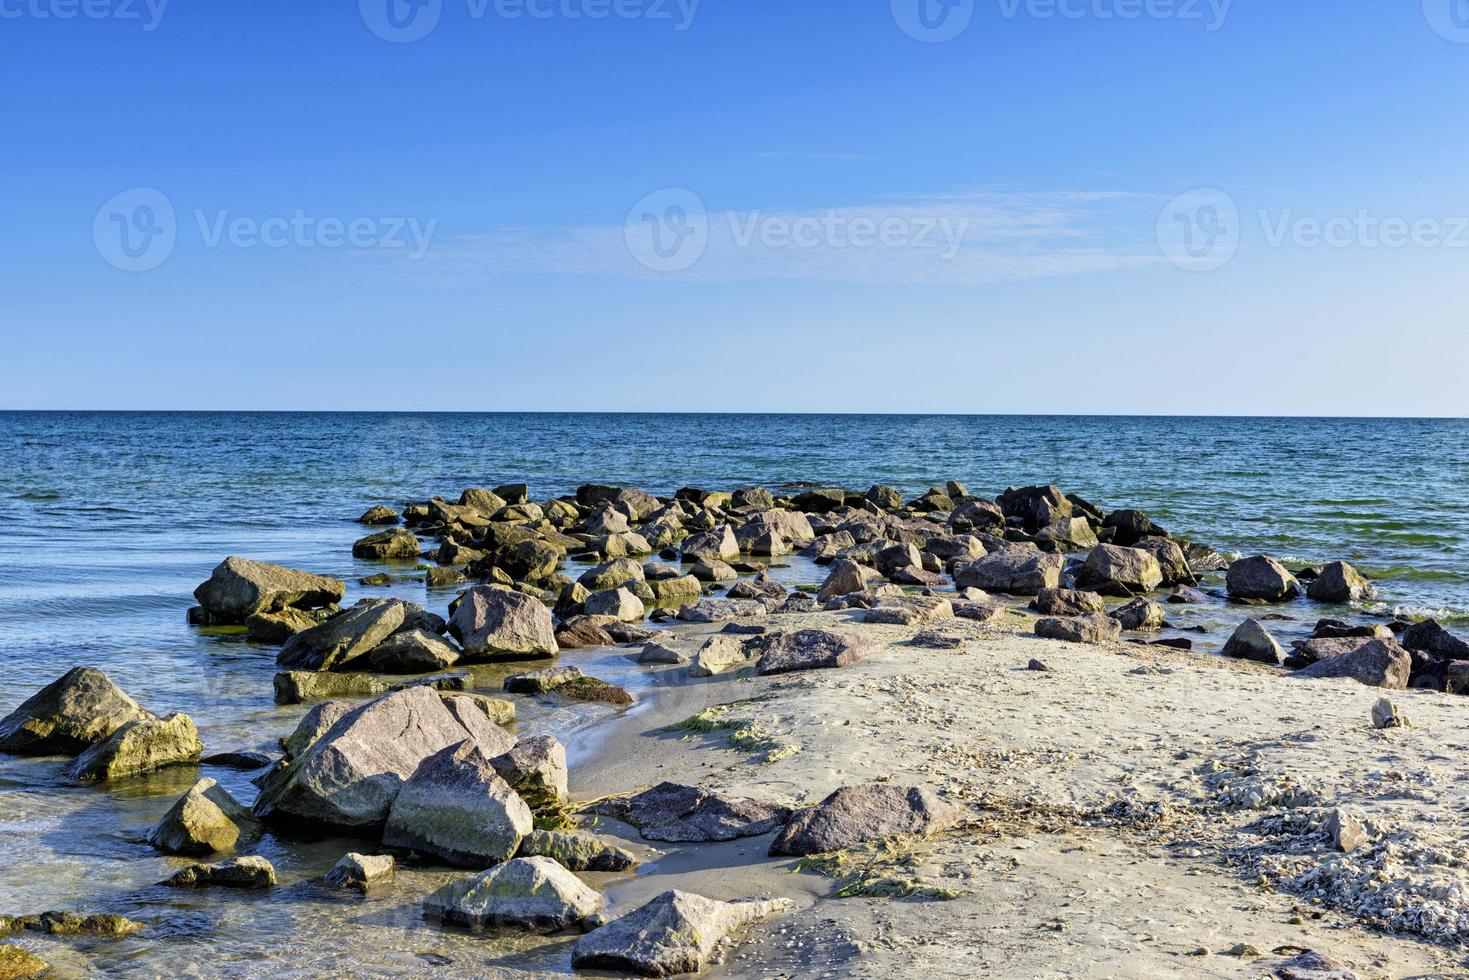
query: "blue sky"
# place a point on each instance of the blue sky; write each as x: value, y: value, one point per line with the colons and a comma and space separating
x: 848, y: 217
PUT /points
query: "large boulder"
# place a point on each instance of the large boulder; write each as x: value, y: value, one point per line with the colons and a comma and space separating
x: 1376, y: 663
x: 1013, y: 571
x: 240, y: 587
x: 139, y: 747
x: 455, y: 807
x: 1036, y: 507
x: 204, y: 820
x: 1260, y: 579
x: 313, y: 725
x: 341, y: 640
x: 844, y: 578
x: 1340, y: 583
x: 677, y: 932
x: 413, y: 651
x: 67, y: 716
x: 397, y: 544
x: 810, y: 649
x: 1069, y: 534
x: 535, y: 768
x: 350, y: 775
x: 719, y: 543
x: 1252, y: 641
x: 243, y: 872
x: 612, y: 574
x: 533, y: 893
x: 1090, y: 628
x: 857, y: 814
x: 619, y: 604
x: 1172, y: 560
x: 496, y: 622
x: 1427, y: 637
x: 1068, y: 602
x: 1120, y: 571
x: 689, y: 814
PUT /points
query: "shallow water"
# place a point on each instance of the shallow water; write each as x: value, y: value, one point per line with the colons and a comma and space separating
x: 111, y: 520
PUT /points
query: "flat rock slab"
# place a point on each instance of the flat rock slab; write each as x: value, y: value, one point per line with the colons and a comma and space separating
x: 857, y: 814
x: 810, y: 649
x: 245, y: 872
x: 69, y: 715
x: 910, y: 610
x: 577, y: 852
x: 533, y: 893
x: 1092, y: 628
x: 677, y: 932
x: 719, y: 610
x: 688, y: 814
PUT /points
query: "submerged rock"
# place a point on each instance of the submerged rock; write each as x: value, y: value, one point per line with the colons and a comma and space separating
x: 244, y: 872
x: 56, y: 923
x: 338, y: 642
x: 1340, y: 583
x: 206, y: 819
x: 455, y: 807
x: 679, y: 813
x: 1260, y: 579
x: 67, y: 716
x: 361, y: 872
x: 577, y: 852
x: 677, y: 932
x: 491, y: 621
x: 856, y: 814
x: 533, y: 893
x: 139, y: 747
x: 240, y: 587
x: 399, y: 543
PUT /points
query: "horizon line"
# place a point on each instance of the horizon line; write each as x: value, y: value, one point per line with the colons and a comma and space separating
x: 737, y: 413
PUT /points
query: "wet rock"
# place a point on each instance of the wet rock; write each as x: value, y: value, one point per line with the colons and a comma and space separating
x: 856, y: 814
x: 496, y: 622
x: 304, y: 686
x: 206, y: 819
x: 677, y: 932
x: 361, y: 872
x: 612, y: 574
x: 1431, y: 638
x: 577, y: 852
x: 1252, y: 641
x: 718, y: 655
x: 1140, y: 616
x: 69, y: 715
x: 278, y: 626
x: 810, y: 649
x: 20, y: 964
x: 399, y: 543
x: 619, y: 604
x: 1260, y: 579
x: 139, y: 747
x: 660, y: 653
x: 57, y: 923
x: 243, y: 761
x: 243, y: 872
x: 1068, y: 602
x: 457, y: 808
x: 844, y: 577
x: 337, y: 643
x: 1091, y: 628
x: 541, y: 681
x: 412, y: 652
x: 1385, y: 714
x: 240, y: 587
x: 594, y: 691
x: 533, y: 893
x: 1035, y: 507
x: 1378, y: 663
x: 350, y: 776
x: 582, y: 633
x: 689, y: 814
x: 442, y: 578
x: 1340, y: 583
x: 1012, y: 571
x: 1183, y: 595
x: 379, y: 515
x: 1120, y: 571
x: 536, y: 769
x: 714, y: 545
x: 1068, y: 534
x: 720, y: 610
x: 1335, y: 629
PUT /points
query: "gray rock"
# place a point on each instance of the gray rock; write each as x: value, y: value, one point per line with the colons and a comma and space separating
x: 1140, y: 615
x: 240, y: 587
x: 360, y: 872
x: 656, y: 652
x: 1036, y: 507
x: 304, y: 686
x: 1425, y: 637
x: 533, y: 893
x: 720, y: 610
x: 536, y: 769
x: 612, y: 574
x: 1068, y: 602
x: 541, y: 681
x: 1069, y: 534
x: 1377, y: 663
x: 909, y: 610
x: 1252, y: 641
x: 1092, y: 628
x: 398, y: 543
x: 314, y: 724
x: 1170, y: 557
x: 677, y: 932
x: 577, y: 852
x: 1340, y: 583
x: 244, y: 872
x: 139, y: 747
x: 717, y: 544
x: 1345, y: 830
x: 1260, y: 579
x: 339, y: 641
x: 69, y: 715
x: 679, y: 813
x: 619, y: 604
x: 491, y: 621
x: 810, y: 649
x: 857, y: 814
x: 413, y: 652
x: 798, y: 602
x: 718, y: 655
x: 846, y: 576
x: 350, y: 776
x: 457, y: 808
x: 1012, y: 571
x: 1124, y: 571
x: 379, y: 515
x: 1311, y: 965
x: 206, y: 819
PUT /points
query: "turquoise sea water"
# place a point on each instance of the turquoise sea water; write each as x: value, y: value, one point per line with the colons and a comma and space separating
x: 111, y: 519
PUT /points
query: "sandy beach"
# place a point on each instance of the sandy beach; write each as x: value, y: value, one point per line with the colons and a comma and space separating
x: 1112, y: 834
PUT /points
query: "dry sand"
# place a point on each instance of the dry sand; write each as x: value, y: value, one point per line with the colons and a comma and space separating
x: 1138, y: 812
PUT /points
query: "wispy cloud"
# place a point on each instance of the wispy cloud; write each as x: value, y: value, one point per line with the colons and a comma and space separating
x: 954, y: 239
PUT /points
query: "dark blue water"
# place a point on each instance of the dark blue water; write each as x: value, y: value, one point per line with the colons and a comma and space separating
x: 111, y: 519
